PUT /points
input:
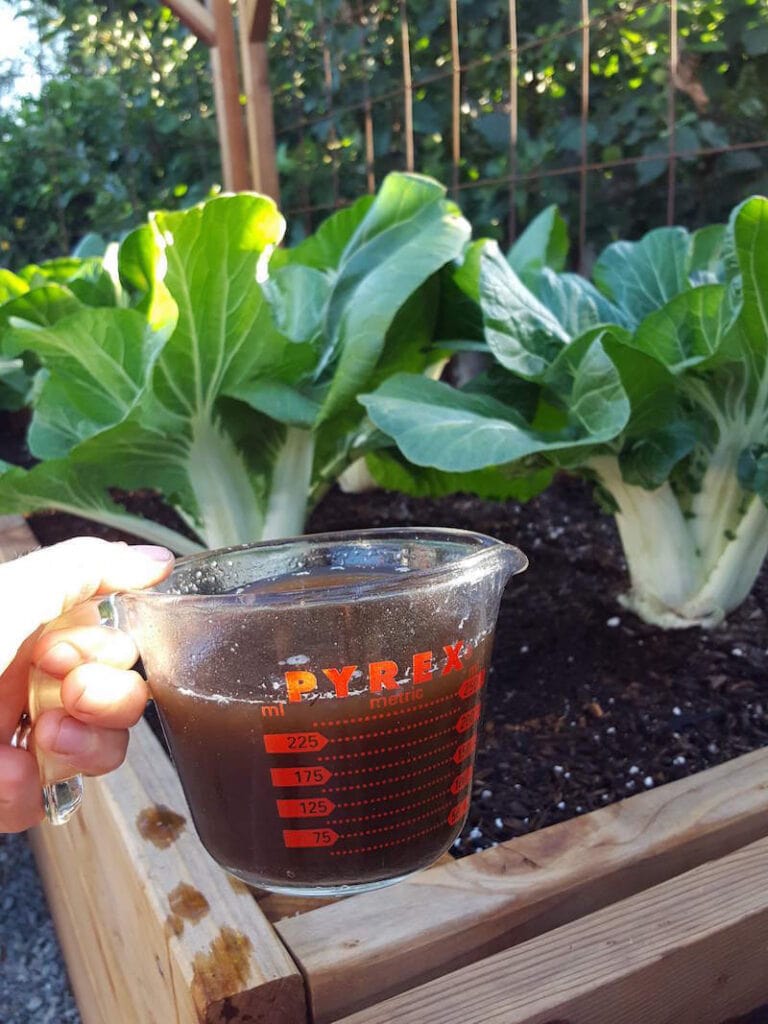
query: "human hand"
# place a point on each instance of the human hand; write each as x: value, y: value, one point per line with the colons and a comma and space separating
x: 49, y: 620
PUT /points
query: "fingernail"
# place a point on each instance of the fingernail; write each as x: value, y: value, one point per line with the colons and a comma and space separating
x: 60, y: 659
x: 156, y: 554
x: 73, y: 739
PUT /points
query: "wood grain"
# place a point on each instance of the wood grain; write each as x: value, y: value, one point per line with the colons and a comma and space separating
x: 16, y: 538
x: 688, y: 951
x: 196, y: 16
x: 368, y: 947
x: 233, y: 140
x: 131, y: 955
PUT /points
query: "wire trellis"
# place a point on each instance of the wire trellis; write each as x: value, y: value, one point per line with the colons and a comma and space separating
x: 396, y: 107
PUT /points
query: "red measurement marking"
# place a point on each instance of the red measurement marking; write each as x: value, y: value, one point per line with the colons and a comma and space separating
x: 311, y: 807
x: 401, y: 777
x: 385, y: 750
x: 458, y: 812
x: 309, y: 837
x: 472, y: 684
x: 391, y: 842
x: 314, y: 776
x: 395, y: 729
x: 417, y: 706
x: 400, y: 811
x: 396, y: 824
x: 293, y: 742
x: 397, y: 764
x: 465, y: 750
x: 441, y: 781
x: 461, y: 781
x: 468, y: 719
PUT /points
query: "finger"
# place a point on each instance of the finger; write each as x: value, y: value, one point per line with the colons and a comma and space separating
x: 100, y: 695
x: 70, y: 747
x: 21, y: 802
x: 39, y: 587
x: 60, y: 651
x: 84, y: 614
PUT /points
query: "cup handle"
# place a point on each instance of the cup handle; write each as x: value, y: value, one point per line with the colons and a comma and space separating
x: 62, y: 797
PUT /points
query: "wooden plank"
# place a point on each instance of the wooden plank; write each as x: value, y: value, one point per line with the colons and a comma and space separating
x: 688, y: 951
x: 196, y: 16
x: 259, y: 115
x: 275, y: 906
x: 152, y: 929
x: 229, y: 112
x: 16, y: 538
x: 255, y: 17
x: 374, y: 945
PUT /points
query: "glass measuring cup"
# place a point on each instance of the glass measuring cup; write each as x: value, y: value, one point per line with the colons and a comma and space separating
x: 321, y: 697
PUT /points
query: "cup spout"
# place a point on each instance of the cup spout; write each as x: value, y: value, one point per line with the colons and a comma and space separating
x: 511, y: 560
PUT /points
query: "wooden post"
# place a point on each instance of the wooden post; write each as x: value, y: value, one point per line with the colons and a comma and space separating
x: 259, y: 117
x: 229, y: 112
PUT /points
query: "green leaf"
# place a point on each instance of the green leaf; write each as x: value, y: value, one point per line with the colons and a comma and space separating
x: 753, y: 470
x: 648, y: 461
x: 141, y: 267
x: 521, y: 332
x: 43, y: 306
x: 576, y: 303
x: 688, y: 330
x: 86, y: 278
x: 279, y: 401
x: 408, y: 234
x: 544, y: 243
x: 647, y: 383
x: 707, y: 254
x: 436, y: 425
x: 11, y: 285
x: 98, y: 363
x: 91, y: 244
x: 643, y: 276
x: 323, y: 250
x: 213, y: 253
x: 69, y: 487
x: 458, y: 312
x: 298, y: 320
x: 750, y: 238
x: 394, y: 473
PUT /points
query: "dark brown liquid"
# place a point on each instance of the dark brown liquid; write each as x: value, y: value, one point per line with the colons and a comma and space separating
x: 333, y: 745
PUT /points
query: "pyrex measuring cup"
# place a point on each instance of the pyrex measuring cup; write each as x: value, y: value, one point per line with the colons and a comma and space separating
x: 321, y: 697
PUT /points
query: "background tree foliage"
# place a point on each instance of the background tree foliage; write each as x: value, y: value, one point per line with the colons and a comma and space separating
x: 124, y: 122
x: 720, y: 100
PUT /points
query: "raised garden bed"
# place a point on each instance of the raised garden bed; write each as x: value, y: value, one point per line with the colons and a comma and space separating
x: 661, y: 894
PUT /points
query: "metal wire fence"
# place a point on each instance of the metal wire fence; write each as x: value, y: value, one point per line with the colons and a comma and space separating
x: 628, y: 115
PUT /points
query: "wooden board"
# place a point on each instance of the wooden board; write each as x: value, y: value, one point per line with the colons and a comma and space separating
x: 152, y: 929
x: 16, y: 538
x: 359, y: 951
x: 688, y: 951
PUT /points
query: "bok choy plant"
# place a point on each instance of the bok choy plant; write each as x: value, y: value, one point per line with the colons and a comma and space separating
x: 650, y: 380
x: 227, y: 378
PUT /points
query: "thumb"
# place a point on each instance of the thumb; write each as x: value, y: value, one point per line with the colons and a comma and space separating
x: 37, y: 588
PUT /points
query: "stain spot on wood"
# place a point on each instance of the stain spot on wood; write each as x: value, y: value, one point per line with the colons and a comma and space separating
x: 188, y: 902
x: 160, y: 825
x: 224, y: 969
x: 237, y: 885
x: 173, y: 925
